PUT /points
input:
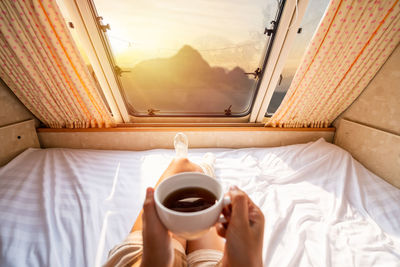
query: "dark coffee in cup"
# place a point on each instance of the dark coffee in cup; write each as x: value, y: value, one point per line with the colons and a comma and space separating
x: 188, y: 224
x: 190, y: 199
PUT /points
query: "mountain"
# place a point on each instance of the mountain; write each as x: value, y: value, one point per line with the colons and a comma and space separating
x: 186, y: 82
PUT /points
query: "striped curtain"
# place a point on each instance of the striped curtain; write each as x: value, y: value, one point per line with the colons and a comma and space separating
x: 43, y: 67
x: 352, y: 42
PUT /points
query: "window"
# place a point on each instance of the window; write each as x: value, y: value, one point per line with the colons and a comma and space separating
x: 192, y: 58
x: 310, y: 21
x: 170, y: 61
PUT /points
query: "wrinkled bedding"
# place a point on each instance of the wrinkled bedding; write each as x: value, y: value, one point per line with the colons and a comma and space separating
x: 69, y: 207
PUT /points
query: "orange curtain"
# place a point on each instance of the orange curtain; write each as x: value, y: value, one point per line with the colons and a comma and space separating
x: 352, y: 42
x: 43, y: 67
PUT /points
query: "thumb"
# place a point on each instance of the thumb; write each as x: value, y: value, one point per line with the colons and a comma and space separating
x: 149, y: 205
x: 149, y: 196
x: 150, y: 217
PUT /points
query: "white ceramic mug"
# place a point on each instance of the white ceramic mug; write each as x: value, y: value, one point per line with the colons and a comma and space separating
x: 189, y: 225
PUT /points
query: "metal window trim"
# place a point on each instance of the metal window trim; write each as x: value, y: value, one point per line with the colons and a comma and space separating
x: 87, y: 29
x: 286, y: 34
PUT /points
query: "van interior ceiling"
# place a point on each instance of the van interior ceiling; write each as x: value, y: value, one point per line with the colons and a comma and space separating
x: 295, y: 102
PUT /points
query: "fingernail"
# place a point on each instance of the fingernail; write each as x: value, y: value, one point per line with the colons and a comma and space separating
x: 149, y: 191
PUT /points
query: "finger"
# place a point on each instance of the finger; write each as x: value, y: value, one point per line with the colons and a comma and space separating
x: 148, y: 205
x: 149, y: 208
x: 251, y: 203
x: 240, y: 212
x: 151, y: 221
x: 254, y: 208
x: 221, y: 230
x: 227, y: 211
x: 256, y: 216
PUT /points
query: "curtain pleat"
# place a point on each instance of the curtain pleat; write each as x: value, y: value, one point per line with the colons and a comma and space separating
x: 43, y: 67
x: 352, y: 42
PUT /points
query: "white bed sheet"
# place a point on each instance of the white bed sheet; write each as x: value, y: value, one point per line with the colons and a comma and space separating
x: 66, y: 207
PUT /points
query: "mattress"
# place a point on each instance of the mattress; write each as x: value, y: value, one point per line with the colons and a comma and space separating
x: 69, y: 207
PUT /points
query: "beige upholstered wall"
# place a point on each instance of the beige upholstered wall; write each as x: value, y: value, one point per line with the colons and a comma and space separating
x: 16, y: 138
x: 150, y: 138
x: 16, y: 132
x: 378, y: 150
x: 379, y: 105
x: 378, y: 108
x: 11, y: 109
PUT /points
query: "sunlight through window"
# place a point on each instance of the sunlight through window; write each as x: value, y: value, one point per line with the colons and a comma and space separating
x: 188, y: 57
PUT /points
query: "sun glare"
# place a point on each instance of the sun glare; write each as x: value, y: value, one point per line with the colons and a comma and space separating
x: 143, y: 30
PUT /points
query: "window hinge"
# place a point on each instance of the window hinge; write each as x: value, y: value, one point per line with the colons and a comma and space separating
x: 256, y: 73
x: 270, y: 31
x: 152, y: 112
x: 119, y: 71
x: 280, y: 79
x: 228, y: 111
x: 103, y: 27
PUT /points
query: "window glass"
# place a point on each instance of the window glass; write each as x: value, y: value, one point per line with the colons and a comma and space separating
x: 309, y: 24
x: 182, y: 57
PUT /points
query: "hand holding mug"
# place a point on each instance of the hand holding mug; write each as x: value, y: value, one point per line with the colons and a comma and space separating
x: 244, y: 231
x: 157, y: 247
x: 186, y: 221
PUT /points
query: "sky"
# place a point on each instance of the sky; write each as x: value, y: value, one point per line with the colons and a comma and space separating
x: 227, y: 33
x: 309, y: 24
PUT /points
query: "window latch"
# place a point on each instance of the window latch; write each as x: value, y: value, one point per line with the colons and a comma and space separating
x: 270, y: 31
x: 280, y: 79
x: 228, y: 111
x: 103, y: 27
x: 256, y: 73
x: 119, y: 71
x: 152, y: 112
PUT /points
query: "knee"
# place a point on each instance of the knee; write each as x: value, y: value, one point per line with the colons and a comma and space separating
x: 181, y: 161
x: 184, y: 165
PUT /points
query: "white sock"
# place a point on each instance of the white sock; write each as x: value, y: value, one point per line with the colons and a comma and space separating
x: 181, y: 151
x: 207, y: 164
x: 181, y: 145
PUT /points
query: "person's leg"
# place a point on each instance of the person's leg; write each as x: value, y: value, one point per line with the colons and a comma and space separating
x: 176, y: 166
x: 181, y: 163
x: 210, y: 240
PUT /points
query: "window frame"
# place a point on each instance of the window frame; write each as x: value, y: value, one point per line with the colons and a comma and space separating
x: 293, y: 14
x: 96, y: 45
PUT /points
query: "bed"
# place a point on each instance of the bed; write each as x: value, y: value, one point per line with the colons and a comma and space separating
x: 69, y: 207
